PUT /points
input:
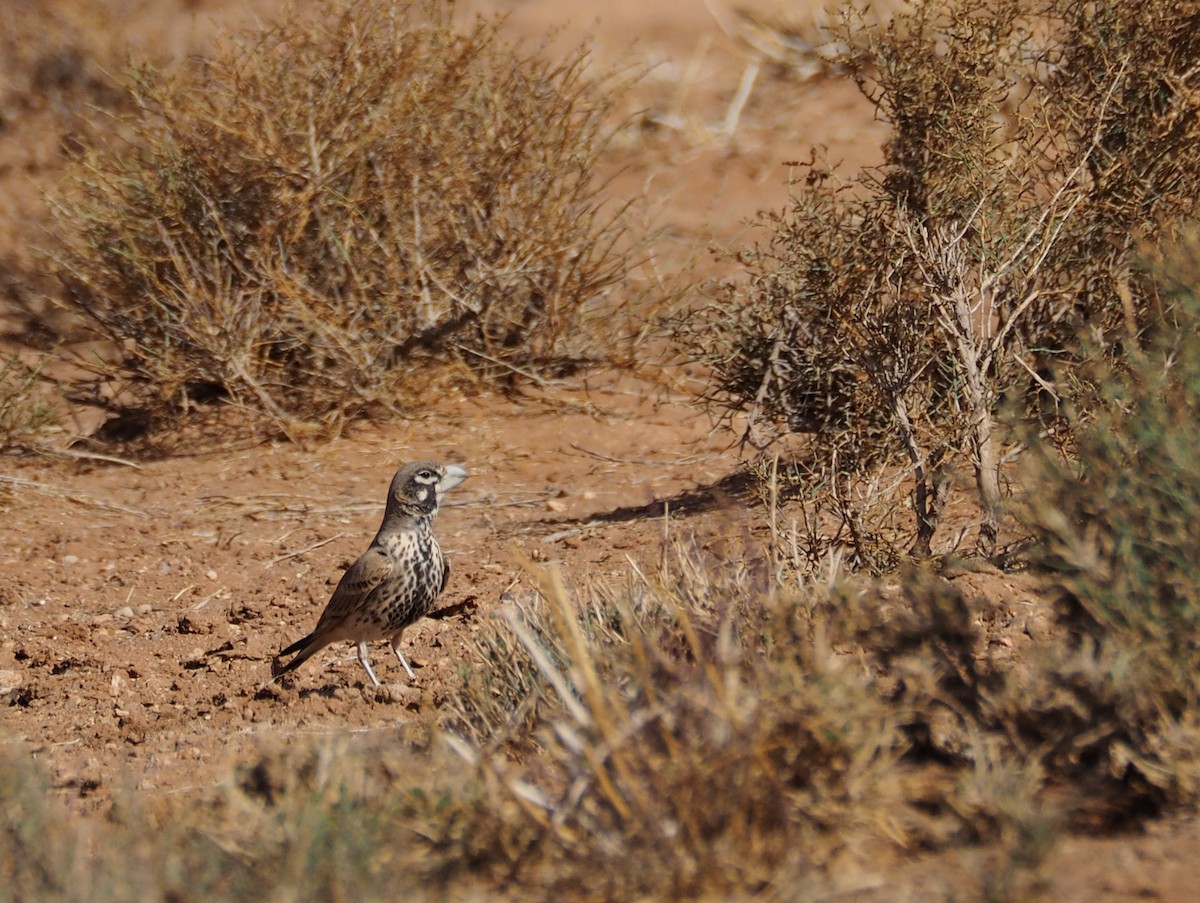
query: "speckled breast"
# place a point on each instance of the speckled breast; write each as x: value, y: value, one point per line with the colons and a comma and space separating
x: 416, y: 577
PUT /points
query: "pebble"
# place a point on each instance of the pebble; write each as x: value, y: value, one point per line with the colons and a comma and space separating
x: 70, y: 559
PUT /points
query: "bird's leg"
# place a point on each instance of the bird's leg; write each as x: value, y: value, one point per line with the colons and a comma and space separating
x: 366, y: 662
x: 400, y: 655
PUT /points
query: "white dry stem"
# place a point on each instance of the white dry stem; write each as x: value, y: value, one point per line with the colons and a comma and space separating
x: 980, y: 327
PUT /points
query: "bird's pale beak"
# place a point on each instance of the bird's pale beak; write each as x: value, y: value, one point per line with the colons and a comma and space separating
x: 451, y: 478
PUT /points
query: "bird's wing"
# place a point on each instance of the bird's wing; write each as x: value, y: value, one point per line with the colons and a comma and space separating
x: 360, y: 580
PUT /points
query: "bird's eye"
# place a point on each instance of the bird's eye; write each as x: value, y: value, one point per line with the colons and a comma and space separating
x: 427, y: 476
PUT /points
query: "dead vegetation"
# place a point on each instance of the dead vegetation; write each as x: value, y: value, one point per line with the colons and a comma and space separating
x: 317, y: 217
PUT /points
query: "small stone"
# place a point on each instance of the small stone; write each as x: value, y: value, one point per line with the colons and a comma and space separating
x: 70, y: 559
x: 211, y: 574
x: 123, y: 614
x: 556, y: 506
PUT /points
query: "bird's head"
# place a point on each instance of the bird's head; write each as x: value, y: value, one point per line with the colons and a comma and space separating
x: 418, y: 488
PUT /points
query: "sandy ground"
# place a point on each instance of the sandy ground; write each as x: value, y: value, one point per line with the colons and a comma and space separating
x: 142, y: 606
x: 140, y: 603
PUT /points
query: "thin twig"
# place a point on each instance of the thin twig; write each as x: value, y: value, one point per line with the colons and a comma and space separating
x: 680, y: 462
x: 86, y: 456
x: 745, y: 86
x: 533, y: 377
x: 298, y: 552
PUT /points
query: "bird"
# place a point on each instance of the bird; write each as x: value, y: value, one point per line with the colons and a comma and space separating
x: 395, y: 581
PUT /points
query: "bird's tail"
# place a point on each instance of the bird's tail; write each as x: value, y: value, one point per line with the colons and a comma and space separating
x: 306, y: 649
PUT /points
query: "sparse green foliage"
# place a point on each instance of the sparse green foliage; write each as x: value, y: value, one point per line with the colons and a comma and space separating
x: 1121, y: 517
x: 23, y: 410
x: 312, y: 217
x: 1118, y: 525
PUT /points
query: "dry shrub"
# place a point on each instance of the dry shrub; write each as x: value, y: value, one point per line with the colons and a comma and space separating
x: 682, y: 743
x: 712, y: 729
x: 896, y: 315
x: 308, y: 221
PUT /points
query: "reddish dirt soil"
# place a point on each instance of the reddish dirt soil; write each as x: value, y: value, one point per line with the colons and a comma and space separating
x: 140, y: 604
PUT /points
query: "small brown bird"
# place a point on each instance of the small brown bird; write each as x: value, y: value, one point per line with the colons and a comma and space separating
x: 396, y: 581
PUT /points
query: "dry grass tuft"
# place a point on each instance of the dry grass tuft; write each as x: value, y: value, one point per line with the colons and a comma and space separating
x: 312, y: 220
x: 712, y: 728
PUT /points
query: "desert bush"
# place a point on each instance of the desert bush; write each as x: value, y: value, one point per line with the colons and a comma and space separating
x: 897, y: 314
x: 307, y: 221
